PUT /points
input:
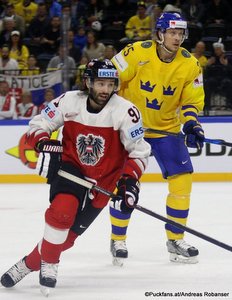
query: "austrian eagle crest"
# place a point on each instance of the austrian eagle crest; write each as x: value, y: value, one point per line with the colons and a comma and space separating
x: 90, y: 148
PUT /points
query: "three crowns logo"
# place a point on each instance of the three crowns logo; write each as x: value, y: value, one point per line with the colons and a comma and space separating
x: 147, y: 86
x: 168, y: 91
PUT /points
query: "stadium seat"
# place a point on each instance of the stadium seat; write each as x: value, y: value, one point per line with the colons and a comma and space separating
x: 228, y: 43
x: 214, y: 30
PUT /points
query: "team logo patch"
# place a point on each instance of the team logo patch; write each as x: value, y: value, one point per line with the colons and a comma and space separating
x: 136, y: 131
x: 169, y: 91
x: 50, y: 111
x: 185, y: 53
x: 147, y: 86
x: 103, y: 73
x: 142, y: 63
x: 146, y: 44
x: 90, y: 149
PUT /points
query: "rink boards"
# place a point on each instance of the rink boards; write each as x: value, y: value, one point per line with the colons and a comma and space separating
x: 212, y: 163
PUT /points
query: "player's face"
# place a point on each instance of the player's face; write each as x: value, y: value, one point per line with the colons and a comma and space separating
x: 4, y: 88
x: 173, y: 39
x: 102, y: 90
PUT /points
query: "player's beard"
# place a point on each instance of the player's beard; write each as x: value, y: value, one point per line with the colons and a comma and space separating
x: 100, y: 99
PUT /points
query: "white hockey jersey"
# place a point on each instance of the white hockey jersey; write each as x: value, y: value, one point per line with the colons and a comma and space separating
x: 102, y: 145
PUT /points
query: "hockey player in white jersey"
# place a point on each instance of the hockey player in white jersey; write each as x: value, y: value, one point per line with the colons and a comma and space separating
x: 102, y: 142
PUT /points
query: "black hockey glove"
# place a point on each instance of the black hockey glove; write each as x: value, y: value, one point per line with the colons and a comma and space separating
x: 127, y: 195
x: 194, y: 134
x: 49, y: 146
x: 49, y: 160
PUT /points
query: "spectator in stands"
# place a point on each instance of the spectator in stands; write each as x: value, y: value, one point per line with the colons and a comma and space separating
x: 138, y: 26
x: 26, y: 109
x: 54, y: 8
x: 173, y: 6
x: 19, y: 20
x: 31, y: 68
x: 79, y: 84
x: 78, y: 13
x: 7, y: 102
x: 218, y: 11
x: 110, y: 52
x: 63, y: 62
x: 150, y: 6
x: 18, y: 50
x: 52, y: 36
x: 3, y: 4
x: 217, y: 78
x: 194, y: 12
x: 8, y: 66
x: 37, y: 28
x: 219, y: 57
x: 80, y: 39
x: 27, y: 9
x: 119, y: 12
x: 8, y: 27
x: 49, y: 95
x: 154, y: 10
x: 66, y: 15
x: 199, y: 53
x: 73, y: 51
x: 93, y: 49
x: 95, y: 12
x: 12, y: 1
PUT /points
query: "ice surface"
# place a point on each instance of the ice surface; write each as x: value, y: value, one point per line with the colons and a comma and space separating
x: 86, y: 272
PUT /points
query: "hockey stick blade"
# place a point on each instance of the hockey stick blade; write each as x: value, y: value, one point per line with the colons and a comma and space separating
x: 146, y: 211
x: 181, y: 135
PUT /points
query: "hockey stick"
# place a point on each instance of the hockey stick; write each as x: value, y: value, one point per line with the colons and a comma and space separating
x: 181, y: 135
x: 92, y: 186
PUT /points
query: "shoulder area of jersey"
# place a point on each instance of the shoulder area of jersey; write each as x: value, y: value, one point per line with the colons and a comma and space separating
x: 185, y: 53
x: 146, y: 44
x: 74, y: 93
x: 120, y: 103
x: 185, y: 56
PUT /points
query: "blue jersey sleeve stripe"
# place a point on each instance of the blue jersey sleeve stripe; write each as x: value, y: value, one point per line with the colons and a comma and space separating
x: 190, y: 114
x: 184, y: 107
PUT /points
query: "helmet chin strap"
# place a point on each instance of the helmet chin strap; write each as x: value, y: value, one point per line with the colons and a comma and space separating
x: 161, y: 43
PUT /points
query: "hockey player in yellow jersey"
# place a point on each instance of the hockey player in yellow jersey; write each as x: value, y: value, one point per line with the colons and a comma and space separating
x: 165, y: 82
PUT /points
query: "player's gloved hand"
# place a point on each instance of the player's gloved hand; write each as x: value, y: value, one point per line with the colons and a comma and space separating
x: 49, y: 160
x: 194, y: 134
x: 127, y: 195
x: 49, y: 146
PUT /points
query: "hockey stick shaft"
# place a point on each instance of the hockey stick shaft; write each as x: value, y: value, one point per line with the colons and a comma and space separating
x: 185, y: 228
x: 181, y: 135
x: 92, y: 186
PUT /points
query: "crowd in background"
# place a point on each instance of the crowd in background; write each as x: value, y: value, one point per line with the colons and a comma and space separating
x: 45, y: 35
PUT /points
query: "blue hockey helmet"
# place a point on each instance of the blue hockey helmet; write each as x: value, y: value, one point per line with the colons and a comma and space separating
x: 169, y: 20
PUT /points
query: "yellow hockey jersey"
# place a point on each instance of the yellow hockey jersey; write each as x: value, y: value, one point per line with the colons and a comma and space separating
x: 138, y: 27
x: 167, y: 94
